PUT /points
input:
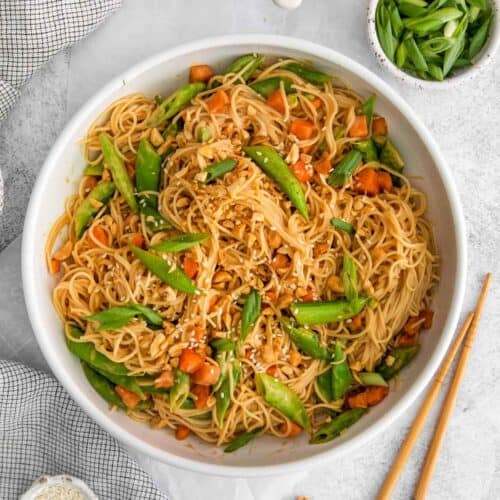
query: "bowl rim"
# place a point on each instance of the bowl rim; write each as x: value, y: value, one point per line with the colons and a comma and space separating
x: 481, y: 60
x: 29, y: 255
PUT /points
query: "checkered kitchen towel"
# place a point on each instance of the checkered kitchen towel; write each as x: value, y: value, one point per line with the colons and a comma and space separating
x: 43, y: 432
x: 31, y: 31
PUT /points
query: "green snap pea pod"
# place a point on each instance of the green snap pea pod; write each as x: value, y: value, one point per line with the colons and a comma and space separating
x: 372, y: 378
x: 176, y: 278
x: 266, y: 87
x: 432, y: 22
x: 129, y: 383
x: 150, y: 315
x: 368, y: 106
x: 249, y: 61
x: 180, y: 390
x: 306, y: 340
x: 333, y: 429
x: 172, y: 129
x: 307, y: 73
x: 223, y: 345
x: 367, y: 149
x: 342, y: 225
x: 175, y: 103
x: 95, y: 170
x: 102, y: 386
x: 151, y: 389
x: 323, y: 386
x: 479, y: 39
x: 397, y: 359
x: 101, y: 194
x: 341, y: 374
x: 155, y: 222
x: 118, y: 171
x: 390, y: 156
x: 223, y: 394
x: 118, y: 316
x: 87, y: 352
x: 350, y: 278
x: 182, y: 242
x: 315, y: 313
x: 241, y: 440
x: 275, y: 167
x: 147, y: 171
x: 344, y: 170
x: 281, y: 397
x: 250, y: 313
x: 219, y: 169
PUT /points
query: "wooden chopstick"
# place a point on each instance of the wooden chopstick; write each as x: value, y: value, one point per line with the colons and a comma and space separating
x: 414, y: 432
x: 449, y: 403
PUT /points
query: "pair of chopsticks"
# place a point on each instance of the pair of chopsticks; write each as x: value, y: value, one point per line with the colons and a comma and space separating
x: 468, y: 330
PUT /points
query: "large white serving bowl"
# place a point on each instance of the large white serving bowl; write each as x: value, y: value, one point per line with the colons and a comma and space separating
x: 266, y: 455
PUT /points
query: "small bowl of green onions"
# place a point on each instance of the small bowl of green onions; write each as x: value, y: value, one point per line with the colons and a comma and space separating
x: 433, y: 43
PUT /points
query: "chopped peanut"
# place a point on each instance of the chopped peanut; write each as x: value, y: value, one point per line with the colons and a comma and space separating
x: 274, y: 240
x: 295, y: 358
x: 334, y: 283
x: 284, y: 300
x: 280, y: 261
x: 155, y: 137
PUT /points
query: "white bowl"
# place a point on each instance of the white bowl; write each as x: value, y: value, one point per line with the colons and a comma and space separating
x: 480, y: 61
x: 161, y: 74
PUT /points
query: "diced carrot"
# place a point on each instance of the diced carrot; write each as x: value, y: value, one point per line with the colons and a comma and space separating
x: 357, y: 322
x: 323, y: 166
x: 198, y: 333
x: 64, y: 252
x: 371, y: 396
x: 190, y: 267
x: 200, y: 73
x: 130, y: 166
x: 300, y: 171
x: 190, y: 360
x: 280, y: 261
x: 316, y: 102
x: 275, y: 100
x: 182, y: 432
x: 405, y: 340
x: 99, y: 234
x: 89, y: 183
x: 165, y: 380
x: 309, y: 296
x: 367, y: 182
x: 218, y: 101
x: 201, y: 393
x: 291, y: 429
x: 359, y: 128
x: 271, y: 295
x: 303, y: 129
x: 384, y: 181
x: 55, y: 266
x: 129, y: 399
x: 273, y: 371
x: 379, y: 126
x: 207, y: 374
x: 138, y: 240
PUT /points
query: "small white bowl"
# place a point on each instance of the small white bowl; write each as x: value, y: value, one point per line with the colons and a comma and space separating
x: 480, y: 61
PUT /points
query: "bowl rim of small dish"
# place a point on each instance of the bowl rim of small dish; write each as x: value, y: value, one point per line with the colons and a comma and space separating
x: 482, y: 60
x: 29, y: 255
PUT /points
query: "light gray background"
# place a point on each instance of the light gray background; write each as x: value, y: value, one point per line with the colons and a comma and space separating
x: 465, y: 123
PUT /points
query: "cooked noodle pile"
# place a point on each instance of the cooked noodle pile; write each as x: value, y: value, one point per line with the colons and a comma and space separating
x: 251, y: 222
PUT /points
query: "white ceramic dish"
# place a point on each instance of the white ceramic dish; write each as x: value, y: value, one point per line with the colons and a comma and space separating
x: 480, y: 61
x: 163, y: 73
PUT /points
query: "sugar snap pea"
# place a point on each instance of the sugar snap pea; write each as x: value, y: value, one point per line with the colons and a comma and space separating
x: 175, y: 102
x: 87, y: 352
x: 345, y: 169
x: 176, y: 278
x: 367, y: 108
x: 333, y: 429
x: 129, y: 383
x: 342, y: 225
x: 390, y: 156
x: 372, y: 378
x: 223, y: 345
x: 180, y: 243
x: 91, y: 205
x: 396, y: 359
x: 250, y: 313
x: 367, y: 149
x: 341, y: 374
x: 315, y: 313
x: 308, y: 73
x: 249, y: 62
x: 350, y: 278
x: 306, y: 340
x: 155, y: 222
x: 147, y: 171
x: 118, y: 171
x: 266, y: 87
x: 219, y: 169
x: 118, y: 316
x: 280, y: 396
x: 275, y: 167
x: 95, y: 170
x: 102, y: 386
x: 241, y: 440
x: 323, y: 386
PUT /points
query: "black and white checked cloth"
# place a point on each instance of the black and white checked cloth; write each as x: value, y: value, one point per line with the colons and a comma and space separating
x: 31, y: 31
x: 43, y: 431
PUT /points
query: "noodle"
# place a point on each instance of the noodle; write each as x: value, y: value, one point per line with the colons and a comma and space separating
x: 250, y: 221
